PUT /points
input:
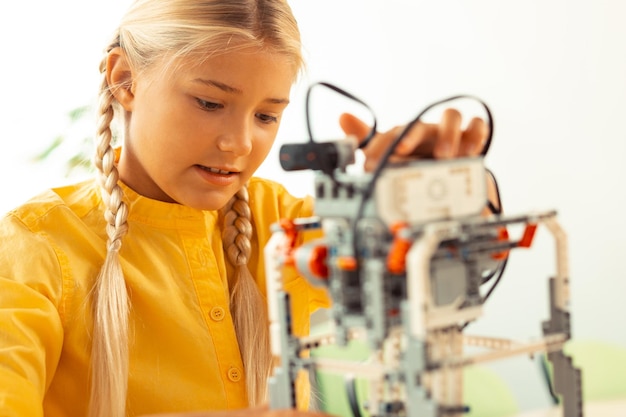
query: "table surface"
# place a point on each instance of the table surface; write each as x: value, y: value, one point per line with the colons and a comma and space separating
x: 616, y: 408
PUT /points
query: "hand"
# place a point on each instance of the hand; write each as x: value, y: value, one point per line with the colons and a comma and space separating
x: 445, y: 140
x: 425, y: 140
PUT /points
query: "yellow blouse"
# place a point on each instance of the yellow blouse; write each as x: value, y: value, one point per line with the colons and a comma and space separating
x: 183, y: 352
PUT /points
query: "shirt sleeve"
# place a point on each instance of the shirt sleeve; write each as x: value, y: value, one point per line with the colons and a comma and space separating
x: 31, y: 331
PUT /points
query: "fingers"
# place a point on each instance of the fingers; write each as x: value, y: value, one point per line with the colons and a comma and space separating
x: 424, y: 140
x: 419, y: 141
x: 376, y: 148
x: 352, y: 125
x: 445, y: 140
x: 449, y: 139
x: 474, y: 137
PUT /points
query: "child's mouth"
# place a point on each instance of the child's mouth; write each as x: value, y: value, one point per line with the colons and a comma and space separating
x: 215, y: 170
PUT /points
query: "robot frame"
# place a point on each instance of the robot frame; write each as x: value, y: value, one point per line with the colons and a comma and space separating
x: 404, y: 253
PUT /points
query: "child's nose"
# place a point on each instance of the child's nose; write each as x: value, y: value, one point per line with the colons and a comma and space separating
x: 237, y: 140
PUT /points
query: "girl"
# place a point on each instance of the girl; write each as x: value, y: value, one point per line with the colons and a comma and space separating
x: 142, y: 292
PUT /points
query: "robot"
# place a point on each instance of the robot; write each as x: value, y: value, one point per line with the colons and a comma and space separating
x: 404, y: 254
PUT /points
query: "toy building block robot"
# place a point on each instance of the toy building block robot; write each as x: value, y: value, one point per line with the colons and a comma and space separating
x: 403, y: 265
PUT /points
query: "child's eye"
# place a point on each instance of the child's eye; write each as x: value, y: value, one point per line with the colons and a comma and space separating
x: 208, y: 105
x: 266, y: 118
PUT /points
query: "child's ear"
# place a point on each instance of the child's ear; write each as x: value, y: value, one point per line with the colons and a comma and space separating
x: 119, y: 76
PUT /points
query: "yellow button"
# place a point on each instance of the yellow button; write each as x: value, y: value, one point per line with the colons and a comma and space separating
x: 217, y: 313
x: 234, y: 374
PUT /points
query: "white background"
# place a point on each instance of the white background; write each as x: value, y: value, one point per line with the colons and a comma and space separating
x: 552, y: 72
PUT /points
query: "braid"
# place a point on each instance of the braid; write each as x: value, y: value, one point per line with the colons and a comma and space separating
x: 109, y: 354
x: 246, y: 303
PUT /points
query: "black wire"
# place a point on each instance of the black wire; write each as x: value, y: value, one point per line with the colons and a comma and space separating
x: 499, y: 271
x: 547, y: 377
x: 490, y: 135
x: 327, y: 168
x: 336, y: 89
x: 350, y: 384
x: 497, y: 210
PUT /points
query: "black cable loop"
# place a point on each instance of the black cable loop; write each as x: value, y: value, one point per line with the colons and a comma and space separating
x: 336, y: 89
x: 363, y: 142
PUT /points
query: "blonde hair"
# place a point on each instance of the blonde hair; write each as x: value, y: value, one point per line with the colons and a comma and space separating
x: 153, y: 30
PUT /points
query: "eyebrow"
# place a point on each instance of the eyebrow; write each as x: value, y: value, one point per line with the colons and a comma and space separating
x: 232, y: 90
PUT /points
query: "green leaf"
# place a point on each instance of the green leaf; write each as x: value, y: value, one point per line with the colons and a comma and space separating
x: 46, y: 152
x: 79, y: 112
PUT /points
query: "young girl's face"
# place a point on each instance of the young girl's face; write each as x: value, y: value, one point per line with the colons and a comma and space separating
x: 196, y: 135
